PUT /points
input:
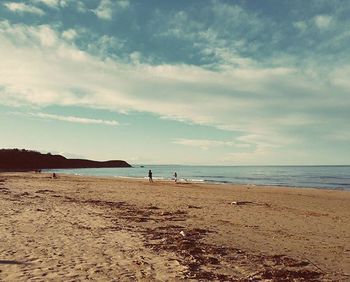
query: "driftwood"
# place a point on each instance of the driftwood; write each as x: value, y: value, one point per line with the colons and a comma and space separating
x: 241, y: 203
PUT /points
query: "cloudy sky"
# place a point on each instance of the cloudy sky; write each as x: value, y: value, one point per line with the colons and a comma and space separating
x: 177, y: 82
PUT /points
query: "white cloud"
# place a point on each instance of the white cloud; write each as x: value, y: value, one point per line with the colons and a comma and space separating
x: 214, y: 43
x: 69, y: 34
x: 202, y: 143
x: 206, y: 144
x: 80, y: 6
x: 265, y: 141
x: 343, y: 136
x: 123, y: 4
x: 40, y: 67
x: 106, y: 8
x: 50, y: 3
x: 264, y: 149
x: 103, y: 45
x: 53, y: 3
x: 323, y: 21
x: 340, y: 77
x: 74, y: 119
x: 47, y: 36
x: 135, y: 57
x: 23, y: 8
x: 56, y: 4
x: 300, y: 25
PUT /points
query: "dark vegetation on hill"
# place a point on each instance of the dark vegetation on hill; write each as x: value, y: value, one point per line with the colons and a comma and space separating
x: 15, y: 159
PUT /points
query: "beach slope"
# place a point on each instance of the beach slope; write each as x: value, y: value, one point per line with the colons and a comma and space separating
x: 103, y: 229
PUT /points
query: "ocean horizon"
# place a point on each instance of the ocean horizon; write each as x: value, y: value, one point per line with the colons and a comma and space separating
x: 307, y: 176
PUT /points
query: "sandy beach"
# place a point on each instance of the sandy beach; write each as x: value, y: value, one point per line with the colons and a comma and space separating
x: 104, y: 229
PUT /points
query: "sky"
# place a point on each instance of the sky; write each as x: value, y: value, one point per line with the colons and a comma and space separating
x: 208, y: 82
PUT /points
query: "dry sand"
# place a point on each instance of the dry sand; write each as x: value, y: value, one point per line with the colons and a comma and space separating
x: 103, y: 229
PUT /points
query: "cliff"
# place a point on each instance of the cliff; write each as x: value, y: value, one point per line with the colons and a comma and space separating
x: 14, y: 159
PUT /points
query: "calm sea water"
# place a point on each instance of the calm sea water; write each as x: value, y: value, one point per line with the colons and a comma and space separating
x: 329, y: 177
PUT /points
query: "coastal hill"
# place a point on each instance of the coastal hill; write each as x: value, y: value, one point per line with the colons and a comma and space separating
x: 15, y: 159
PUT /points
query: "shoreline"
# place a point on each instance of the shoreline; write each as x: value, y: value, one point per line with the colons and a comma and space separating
x: 204, y: 182
x: 101, y: 228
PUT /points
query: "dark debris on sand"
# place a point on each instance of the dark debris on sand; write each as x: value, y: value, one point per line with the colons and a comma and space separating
x: 204, y: 261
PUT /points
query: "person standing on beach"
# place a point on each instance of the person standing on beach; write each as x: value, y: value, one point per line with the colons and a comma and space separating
x: 150, y: 176
x: 175, y: 177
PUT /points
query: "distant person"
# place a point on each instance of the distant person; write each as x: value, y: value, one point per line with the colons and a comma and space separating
x: 54, y: 175
x: 150, y: 176
x: 175, y: 177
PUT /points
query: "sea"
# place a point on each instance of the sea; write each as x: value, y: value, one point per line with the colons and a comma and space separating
x: 323, y: 177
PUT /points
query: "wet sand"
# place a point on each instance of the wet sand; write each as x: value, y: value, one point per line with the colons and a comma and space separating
x: 105, y: 229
